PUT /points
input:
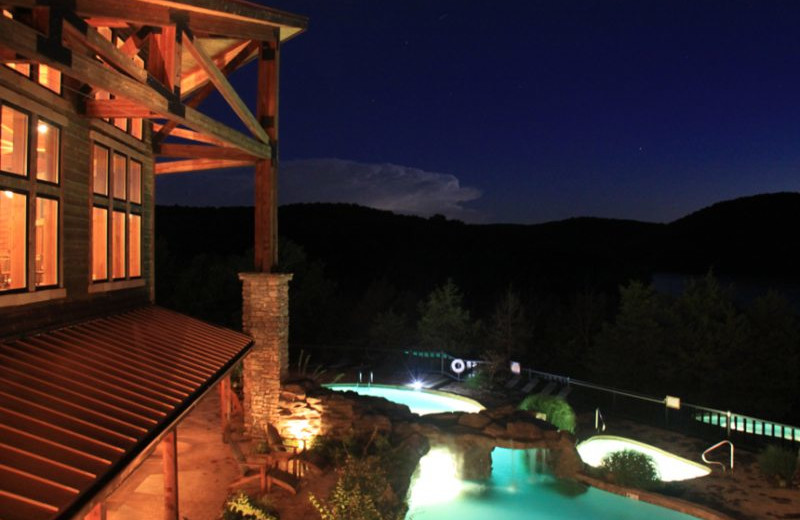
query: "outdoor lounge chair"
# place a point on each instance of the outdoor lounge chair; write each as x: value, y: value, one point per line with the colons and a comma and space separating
x: 530, y: 385
x: 548, y: 389
x: 512, y: 382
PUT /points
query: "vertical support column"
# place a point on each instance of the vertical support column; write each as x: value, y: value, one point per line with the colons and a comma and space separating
x: 265, y: 317
x: 98, y: 512
x: 169, y: 451
x: 266, y: 174
x: 225, y: 407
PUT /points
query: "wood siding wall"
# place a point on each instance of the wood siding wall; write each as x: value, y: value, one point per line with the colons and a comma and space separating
x: 80, y: 302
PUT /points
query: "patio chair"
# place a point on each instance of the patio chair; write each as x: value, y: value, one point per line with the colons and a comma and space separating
x: 512, y: 382
x: 530, y: 385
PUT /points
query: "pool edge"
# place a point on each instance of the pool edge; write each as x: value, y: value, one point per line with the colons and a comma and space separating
x: 469, y: 400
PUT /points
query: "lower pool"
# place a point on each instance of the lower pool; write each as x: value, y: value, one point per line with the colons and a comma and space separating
x: 670, y: 467
x: 520, y: 488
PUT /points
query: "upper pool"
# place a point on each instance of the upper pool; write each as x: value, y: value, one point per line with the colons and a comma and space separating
x: 670, y: 467
x: 518, y: 489
x: 418, y: 401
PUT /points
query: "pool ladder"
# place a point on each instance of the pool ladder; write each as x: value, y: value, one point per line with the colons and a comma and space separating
x: 714, y: 447
x: 361, y: 378
x: 599, y: 422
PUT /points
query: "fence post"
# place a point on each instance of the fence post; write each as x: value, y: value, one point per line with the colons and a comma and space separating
x: 728, y: 424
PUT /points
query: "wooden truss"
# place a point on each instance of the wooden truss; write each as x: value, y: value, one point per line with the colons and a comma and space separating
x: 167, y: 56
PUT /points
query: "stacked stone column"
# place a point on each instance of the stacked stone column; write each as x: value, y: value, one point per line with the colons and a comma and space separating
x: 265, y: 317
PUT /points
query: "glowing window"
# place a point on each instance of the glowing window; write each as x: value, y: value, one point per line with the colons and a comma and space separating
x: 47, y: 150
x: 13, y: 260
x: 136, y: 127
x: 121, y: 123
x: 100, y: 169
x: 135, y: 182
x: 118, y: 173
x: 13, y: 141
x: 22, y: 68
x: 46, y: 256
x: 99, y: 243
x: 50, y: 78
x: 135, y: 245
x: 118, y: 244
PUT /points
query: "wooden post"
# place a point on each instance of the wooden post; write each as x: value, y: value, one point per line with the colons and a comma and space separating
x: 225, y: 407
x: 98, y: 512
x: 169, y: 450
x: 266, y: 175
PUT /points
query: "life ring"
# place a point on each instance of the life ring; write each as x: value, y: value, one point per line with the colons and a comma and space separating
x: 457, y: 365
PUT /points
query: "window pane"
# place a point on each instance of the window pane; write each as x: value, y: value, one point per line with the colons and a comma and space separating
x: 99, y: 243
x: 22, y: 68
x: 118, y: 244
x: 47, y: 149
x: 135, y: 245
x: 100, y: 169
x: 46, y: 259
x: 118, y: 169
x: 136, y: 127
x: 50, y: 78
x: 13, y: 209
x: 121, y: 123
x: 135, y: 182
x: 13, y: 139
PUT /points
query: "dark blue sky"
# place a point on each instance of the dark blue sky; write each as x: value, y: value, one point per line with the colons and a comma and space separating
x: 527, y: 111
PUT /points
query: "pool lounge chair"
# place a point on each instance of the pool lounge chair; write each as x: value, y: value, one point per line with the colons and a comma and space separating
x: 530, y: 385
x: 564, y: 392
x: 548, y: 389
x: 512, y: 382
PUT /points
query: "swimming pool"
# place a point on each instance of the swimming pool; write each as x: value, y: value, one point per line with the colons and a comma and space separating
x: 670, y: 467
x: 519, y: 488
x: 421, y: 402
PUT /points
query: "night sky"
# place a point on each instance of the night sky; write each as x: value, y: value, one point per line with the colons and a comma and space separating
x: 529, y: 111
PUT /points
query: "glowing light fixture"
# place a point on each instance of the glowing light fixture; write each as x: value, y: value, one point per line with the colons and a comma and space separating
x: 436, y: 480
x: 42, y: 128
x: 9, y: 194
x: 416, y: 384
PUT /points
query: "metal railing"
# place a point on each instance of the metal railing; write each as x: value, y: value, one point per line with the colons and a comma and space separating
x: 714, y: 447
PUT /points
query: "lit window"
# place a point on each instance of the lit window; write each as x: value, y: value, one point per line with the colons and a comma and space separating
x: 135, y: 245
x: 13, y: 213
x: 100, y: 169
x: 99, y: 243
x: 47, y: 152
x: 135, y: 182
x: 13, y: 141
x: 136, y: 127
x: 121, y: 123
x: 22, y: 68
x: 118, y: 244
x: 46, y: 259
x: 50, y: 78
x: 118, y: 172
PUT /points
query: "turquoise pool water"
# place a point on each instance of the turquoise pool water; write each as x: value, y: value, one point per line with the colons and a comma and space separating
x: 418, y: 401
x: 519, y: 488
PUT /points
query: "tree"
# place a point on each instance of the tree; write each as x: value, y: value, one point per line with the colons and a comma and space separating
x: 632, y: 352
x: 509, y: 329
x: 444, y: 324
x: 388, y: 330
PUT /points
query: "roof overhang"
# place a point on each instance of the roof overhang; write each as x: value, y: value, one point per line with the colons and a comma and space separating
x: 80, y: 405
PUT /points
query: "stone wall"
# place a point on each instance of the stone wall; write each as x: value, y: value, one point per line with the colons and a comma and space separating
x: 265, y: 317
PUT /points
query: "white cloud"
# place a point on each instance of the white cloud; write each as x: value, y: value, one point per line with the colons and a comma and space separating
x: 401, y: 189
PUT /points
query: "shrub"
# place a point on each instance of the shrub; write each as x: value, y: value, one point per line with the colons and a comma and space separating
x: 242, y: 507
x: 777, y: 462
x: 559, y: 413
x: 631, y: 468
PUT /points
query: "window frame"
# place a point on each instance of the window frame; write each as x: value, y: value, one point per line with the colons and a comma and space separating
x: 33, y: 188
x: 126, y: 207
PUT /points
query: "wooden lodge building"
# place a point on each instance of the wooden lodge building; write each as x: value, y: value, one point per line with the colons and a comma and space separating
x: 96, y: 98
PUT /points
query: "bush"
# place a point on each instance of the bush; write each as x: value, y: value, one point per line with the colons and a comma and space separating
x: 631, y: 468
x: 242, y: 507
x: 777, y: 462
x: 559, y: 413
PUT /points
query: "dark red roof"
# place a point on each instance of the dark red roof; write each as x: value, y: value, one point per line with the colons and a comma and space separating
x: 78, y: 404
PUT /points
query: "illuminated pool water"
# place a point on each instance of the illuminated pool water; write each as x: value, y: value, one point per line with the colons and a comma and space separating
x: 418, y: 401
x: 670, y: 467
x: 518, y: 489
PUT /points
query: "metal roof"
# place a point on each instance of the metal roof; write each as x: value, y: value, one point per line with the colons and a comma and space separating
x: 78, y: 404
